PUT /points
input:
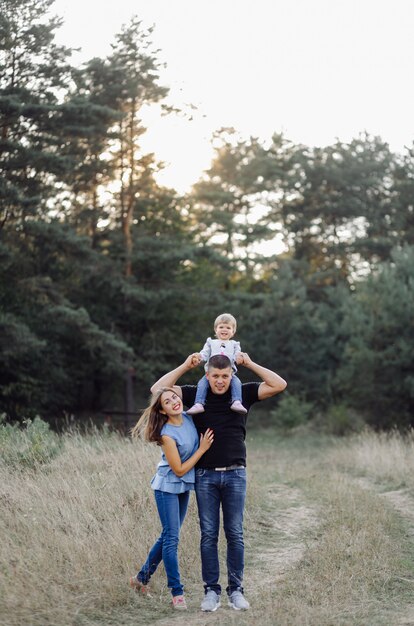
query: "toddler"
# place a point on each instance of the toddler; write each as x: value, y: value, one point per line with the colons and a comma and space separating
x: 224, y: 328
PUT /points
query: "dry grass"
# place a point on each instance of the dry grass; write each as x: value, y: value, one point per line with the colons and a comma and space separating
x: 320, y: 549
x: 385, y: 457
x: 75, y: 529
x: 351, y: 567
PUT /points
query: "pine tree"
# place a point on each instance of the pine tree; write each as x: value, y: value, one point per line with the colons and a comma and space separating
x: 401, y: 223
x: 224, y: 203
x: 376, y: 375
x: 335, y: 205
x: 34, y: 70
x: 87, y: 118
x: 134, y: 70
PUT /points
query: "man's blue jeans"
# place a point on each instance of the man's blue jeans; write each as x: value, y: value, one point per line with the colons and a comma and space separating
x: 228, y: 490
x: 172, y: 508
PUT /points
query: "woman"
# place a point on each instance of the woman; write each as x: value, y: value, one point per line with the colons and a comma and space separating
x: 165, y: 424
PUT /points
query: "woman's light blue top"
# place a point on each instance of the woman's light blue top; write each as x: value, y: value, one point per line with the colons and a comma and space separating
x: 187, y: 442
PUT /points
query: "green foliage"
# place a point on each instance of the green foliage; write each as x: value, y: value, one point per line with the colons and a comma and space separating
x: 29, y: 446
x: 103, y: 272
x: 294, y: 335
x: 334, y: 204
x: 55, y: 353
x: 376, y: 374
x: 402, y: 217
x: 291, y: 412
x: 20, y: 351
x: 223, y: 204
x: 34, y: 70
x: 339, y: 420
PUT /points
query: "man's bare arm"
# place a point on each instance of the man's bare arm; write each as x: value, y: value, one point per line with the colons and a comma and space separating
x: 169, y: 379
x: 272, y: 382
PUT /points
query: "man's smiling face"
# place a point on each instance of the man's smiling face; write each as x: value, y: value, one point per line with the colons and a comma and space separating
x: 219, y: 379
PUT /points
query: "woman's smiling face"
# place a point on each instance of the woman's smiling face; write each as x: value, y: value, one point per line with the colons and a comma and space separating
x: 171, y: 404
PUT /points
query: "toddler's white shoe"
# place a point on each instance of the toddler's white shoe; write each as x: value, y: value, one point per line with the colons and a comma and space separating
x: 237, y: 406
x: 196, y: 408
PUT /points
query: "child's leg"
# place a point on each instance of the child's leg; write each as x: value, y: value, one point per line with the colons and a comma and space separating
x: 172, y: 508
x: 236, y: 388
x: 202, y: 388
x: 236, y: 395
x: 200, y: 399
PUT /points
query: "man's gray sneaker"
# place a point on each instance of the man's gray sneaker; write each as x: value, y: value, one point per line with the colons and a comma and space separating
x: 211, y: 601
x: 238, y: 601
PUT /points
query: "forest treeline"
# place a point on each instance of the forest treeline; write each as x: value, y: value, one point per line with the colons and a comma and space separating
x: 105, y: 273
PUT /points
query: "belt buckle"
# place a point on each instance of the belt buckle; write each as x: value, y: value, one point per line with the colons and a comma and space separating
x: 220, y: 469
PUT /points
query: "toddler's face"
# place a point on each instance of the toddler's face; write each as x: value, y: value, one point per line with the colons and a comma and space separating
x: 224, y: 331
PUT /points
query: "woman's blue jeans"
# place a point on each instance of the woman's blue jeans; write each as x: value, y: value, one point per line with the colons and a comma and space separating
x: 172, y: 508
x: 228, y: 490
x: 203, y: 386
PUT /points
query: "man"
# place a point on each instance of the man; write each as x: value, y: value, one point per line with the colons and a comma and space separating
x: 221, y: 473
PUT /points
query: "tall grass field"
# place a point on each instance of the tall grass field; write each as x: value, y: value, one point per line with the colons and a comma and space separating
x: 329, y: 531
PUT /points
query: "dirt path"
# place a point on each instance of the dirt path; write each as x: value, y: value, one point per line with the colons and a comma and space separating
x: 274, y: 542
x: 284, y: 526
x: 403, y: 502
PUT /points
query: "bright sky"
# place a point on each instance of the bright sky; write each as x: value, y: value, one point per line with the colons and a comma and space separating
x: 315, y: 69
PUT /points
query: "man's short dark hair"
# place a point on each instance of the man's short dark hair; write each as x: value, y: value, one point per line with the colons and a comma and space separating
x: 219, y: 361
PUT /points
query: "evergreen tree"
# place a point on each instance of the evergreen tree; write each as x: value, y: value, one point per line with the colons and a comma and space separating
x: 134, y: 70
x: 87, y: 117
x: 224, y: 203
x: 335, y: 205
x: 377, y: 372
x: 55, y: 354
x: 402, y: 219
x: 294, y: 335
x: 33, y: 72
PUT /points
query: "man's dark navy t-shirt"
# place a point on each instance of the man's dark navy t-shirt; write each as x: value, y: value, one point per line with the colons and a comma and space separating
x: 229, y: 427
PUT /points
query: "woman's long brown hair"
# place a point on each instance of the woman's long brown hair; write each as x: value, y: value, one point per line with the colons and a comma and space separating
x: 152, y: 420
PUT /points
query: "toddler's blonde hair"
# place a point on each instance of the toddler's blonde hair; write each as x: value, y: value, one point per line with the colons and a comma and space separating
x: 226, y: 318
